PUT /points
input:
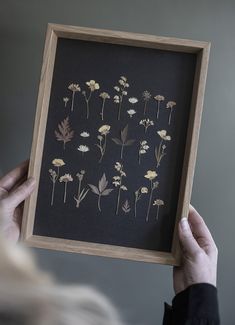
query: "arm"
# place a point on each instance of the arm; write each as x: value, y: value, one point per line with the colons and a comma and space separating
x: 195, y: 280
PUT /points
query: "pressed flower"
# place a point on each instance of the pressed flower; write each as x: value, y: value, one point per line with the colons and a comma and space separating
x: 85, y: 134
x: 117, y: 182
x: 170, y: 105
x: 58, y: 162
x: 65, y: 178
x: 163, y: 135
x: 104, y: 97
x: 118, y: 166
x: 151, y: 174
x: 92, y: 85
x: 146, y: 98
x: 65, y: 99
x: 131, y: 112
x: 138, y: 193
x: 160, y: 150
x: 146, y: 123
x: 122, y: 91
x: 143, y: 147
x: 144, y: 190
x: 83, y: 148
x: 158, y: 203
x: 133, y: 100
x: 81, y: 193
x: 74, y: 88
x: 159, y: 99
x: 104, y: 130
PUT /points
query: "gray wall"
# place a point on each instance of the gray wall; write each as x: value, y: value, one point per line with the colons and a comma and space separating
x: 138, y: 289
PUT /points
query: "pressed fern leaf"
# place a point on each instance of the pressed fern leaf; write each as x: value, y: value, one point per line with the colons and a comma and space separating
x: 65, y: 133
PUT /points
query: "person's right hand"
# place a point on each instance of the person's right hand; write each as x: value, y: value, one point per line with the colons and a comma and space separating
x: 14, y: 189
x: 200, y: 253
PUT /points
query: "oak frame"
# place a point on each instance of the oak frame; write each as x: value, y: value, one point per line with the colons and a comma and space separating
x: 55, y: 31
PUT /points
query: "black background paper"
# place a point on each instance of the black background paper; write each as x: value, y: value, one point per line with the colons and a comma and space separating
x: 166, y: 73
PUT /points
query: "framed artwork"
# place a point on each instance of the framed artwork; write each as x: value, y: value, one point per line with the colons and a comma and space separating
x: 115, y: 141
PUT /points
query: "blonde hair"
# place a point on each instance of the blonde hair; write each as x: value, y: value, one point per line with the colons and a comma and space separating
x: 29, y: 295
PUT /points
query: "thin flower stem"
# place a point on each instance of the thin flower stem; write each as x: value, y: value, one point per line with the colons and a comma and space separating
x: 158, y: 106
x: 157, y: 212
x: 52, y: 194
x: 119, y: 108
x: 87, y: 109
x: 79, y: 190
x: 122, y: 150
x: 73, y: 94
x: 119, y: 194
x: 145, y: 106
x: 102, y: 110
x: 169, y: 120
x: 65, y: 191
x: 99, y: 203
x: 139, y: 158
x: 150, y: 200
x: 159, y: 156
x: 135, y: 207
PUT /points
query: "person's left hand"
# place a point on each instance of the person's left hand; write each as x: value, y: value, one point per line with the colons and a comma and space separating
x: 14, y: 189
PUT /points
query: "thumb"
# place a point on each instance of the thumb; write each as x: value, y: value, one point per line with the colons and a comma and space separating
x: 187, y: 239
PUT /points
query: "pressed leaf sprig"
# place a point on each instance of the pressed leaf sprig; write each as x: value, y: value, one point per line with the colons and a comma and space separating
x: 65, y: 178
x: 54, y: 175
x: 104, y: 96
x: 92, y: 85
x: 121, y: 90
x: 170, y: 105
x: 160, y: 150
x: 74, y: 88
x: 146, y: 123
x: 151, y: 175
x: 159, y: 99
x: 126, y: 206
x: 64, y: 134
x: 102, y: 137
x: 101, y: 190
x: 123, y: 141
x: 143, y: 147
x: 138, y: 193
x: 158, y: 203
x: 117, y: 182
x: 146, y: 98
x: 81, y: 193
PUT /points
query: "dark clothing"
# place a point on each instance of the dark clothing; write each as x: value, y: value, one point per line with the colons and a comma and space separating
x: 196, y: 305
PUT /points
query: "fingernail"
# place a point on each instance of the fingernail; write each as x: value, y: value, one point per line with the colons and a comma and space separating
x: 184, y: 224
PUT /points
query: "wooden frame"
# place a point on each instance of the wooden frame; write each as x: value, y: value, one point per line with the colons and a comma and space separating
x: 201, y: 49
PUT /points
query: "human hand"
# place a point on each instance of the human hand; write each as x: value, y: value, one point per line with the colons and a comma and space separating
x: 199, y: 264
x: 14, y: 189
